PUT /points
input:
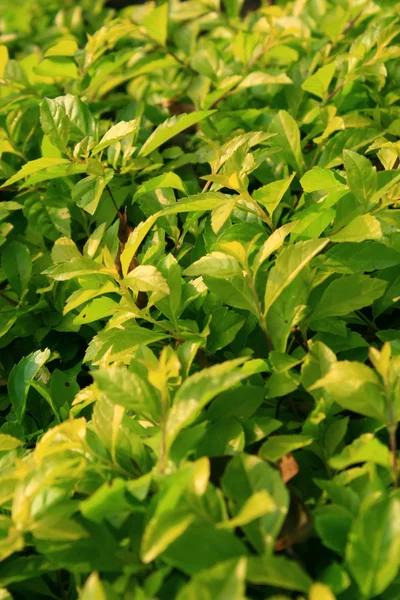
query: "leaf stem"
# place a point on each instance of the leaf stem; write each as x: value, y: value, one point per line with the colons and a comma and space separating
x: 352, y: 22
x: 366, y: 320
x: 63, y: 594
x: 163, y: 453
x: 113, y: 200
x: 260, y: 212
x: 8, y: 299
x: 165, y: 48
x: 335, y: 91
x: 206, y: 187
x: 392, y: 431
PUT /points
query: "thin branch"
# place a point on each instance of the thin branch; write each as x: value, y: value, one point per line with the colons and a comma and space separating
x: 392, y: 431
x: 61, y: 586
x: 179, y: 60
x: 352, y: 22
x: 260, y: 212
x: 335, y: 91
x: 206, y: 187
x: 8, y: 299
x: 184, y: 64
x: 113, y: 201
x: 393, y: 448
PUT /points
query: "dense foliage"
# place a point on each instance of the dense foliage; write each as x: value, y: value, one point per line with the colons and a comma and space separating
x: 200, y: 282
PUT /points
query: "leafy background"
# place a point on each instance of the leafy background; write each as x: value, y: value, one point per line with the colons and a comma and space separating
x: 199, y: 291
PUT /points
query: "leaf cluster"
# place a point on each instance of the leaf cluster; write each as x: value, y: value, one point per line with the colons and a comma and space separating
x: 199, y: 294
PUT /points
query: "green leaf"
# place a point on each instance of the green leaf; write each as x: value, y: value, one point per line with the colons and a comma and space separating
x: 261, y: 78
x: 336, y: 580
x: 187, y: 552
x: 117, y: 132
x: 121, y: 341
x: 271, y: 194
x: 272, y: 244
x: 197, y: 203
x: 347, y: 294
x: 66, y: 47
x: 216, y: 264
x: 171, y: 271
x: 198, y: 390
x: 96, y: 310
x: 353, y: 257
x: 171, y: 518
x: 24, y: 567
x: 43, y: 390
x: 289, y: 264
x: 146, y: 278
x: 135, y: 239
x: 16, y: 263
x: 258, y: 505
x: 8, y: 442
x: 74, y: 268
x: 18, y: 381
x: 64, y: 249
x: 82, y: 296
x: 373, y: 550
x: 246, y: 475
x: 94, y: 589
x: 172, y: 127
x: 280, y: 445
x: 82, y: 123
x: 168, y: 527
x: 362, y: 227
x: 3, y: 59
x: 55, y: 123
x: 125, y: 388
x: 58, y: 66
x: 288, y: 137
x: 240, y: 402
x: 165, y: 180
x: 156, y: 23
x: 355, y: 387
x: 224, y: 328
x: 281, y: 384
x: 49, y: 215
x: 224, y: 580
x: 87, y: 192
x: 363, y: 449
x: 63, y: 389
x: 361, y: 176
x: 277, y: 571
x: 106, y: 501
x: 288, y: 310
x: 332, y: 523
x: 33, y: 167
x: 234, y: 292
x: 233, y: 7
x: 318, y: 83
x: 319, y: 179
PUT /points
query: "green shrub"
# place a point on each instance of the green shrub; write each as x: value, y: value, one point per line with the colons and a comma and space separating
x: 200, y: 251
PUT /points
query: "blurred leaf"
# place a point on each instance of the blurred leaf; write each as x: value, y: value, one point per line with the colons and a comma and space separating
x: 373, y: 550
x: 288, y: 137
x: 319, y: 81
x: 21, y: 374
x: 16, y: 263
